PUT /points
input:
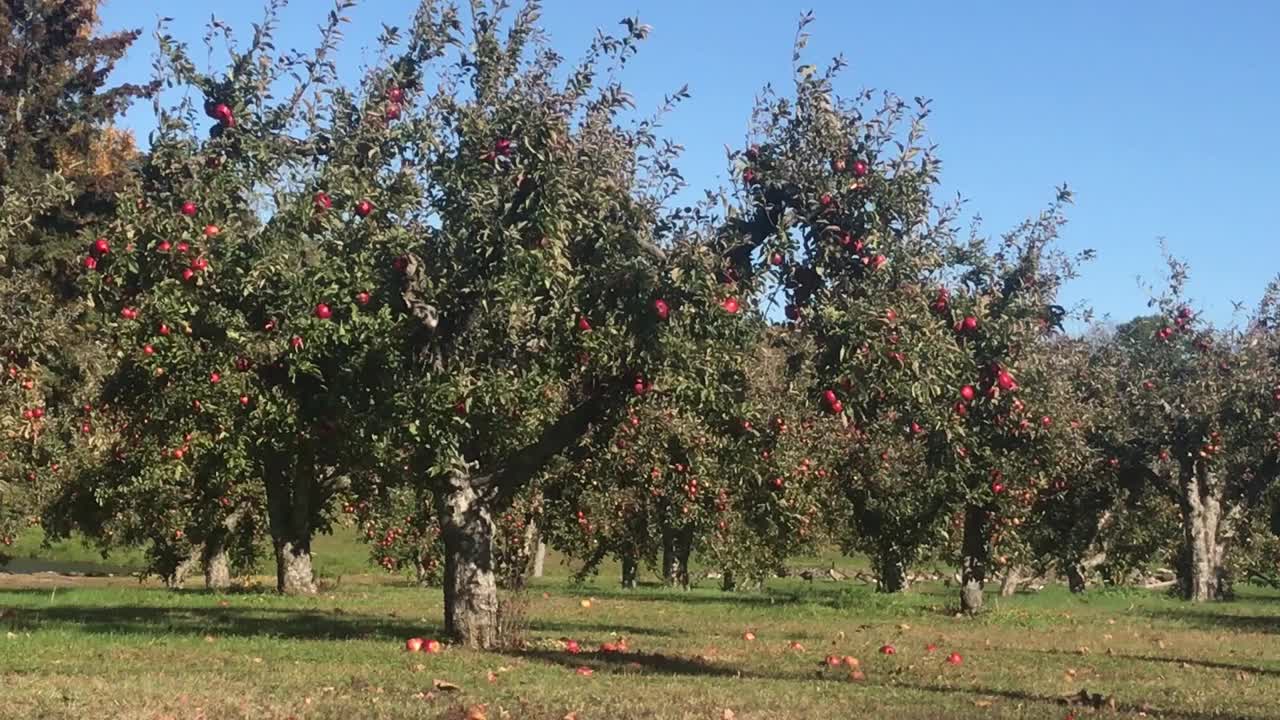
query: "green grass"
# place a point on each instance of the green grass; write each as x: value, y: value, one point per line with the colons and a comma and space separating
x: 110, y: 647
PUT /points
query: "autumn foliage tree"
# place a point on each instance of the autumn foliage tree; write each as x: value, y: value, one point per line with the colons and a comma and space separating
x: 60, y: 163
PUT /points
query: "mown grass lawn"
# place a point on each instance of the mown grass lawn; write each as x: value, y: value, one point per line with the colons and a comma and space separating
x: 114, y: 648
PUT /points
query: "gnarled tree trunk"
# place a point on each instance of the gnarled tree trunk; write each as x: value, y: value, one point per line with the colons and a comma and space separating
x: 539, y: 558
x: 470, y: 586
x: 1075, y: 577
x: 684, y: 548
x: 1012, y: 579
x: 1201, y: 568
x: 670, y: 558
x: 289, y: 500
x: 630, y: 571
x: 891, y: 572
x: 217, y: 566
x: 729, y: 581
x: 976, y: 553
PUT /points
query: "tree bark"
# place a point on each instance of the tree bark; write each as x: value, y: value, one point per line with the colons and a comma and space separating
x: 891, y: 573
x: 470, y: 587
x: 976, y: 550
x: 215, y: 558
x: 684, y: 548
x: 1075, y: 578
x: 670, y: 563
x: 729, y: 582
x: 176, y: 577
x: 1010, y: 582
x: 539, y: 558
x: 289, y: 512
x: 1201, y: 574
x: 630, y: 571
x: 217, y: 566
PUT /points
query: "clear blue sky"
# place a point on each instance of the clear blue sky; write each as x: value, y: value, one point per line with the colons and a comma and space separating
x: 1160, y: 115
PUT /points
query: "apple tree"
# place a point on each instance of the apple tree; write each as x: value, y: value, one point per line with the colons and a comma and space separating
x: 235, y: 283
x: 1203, y: 401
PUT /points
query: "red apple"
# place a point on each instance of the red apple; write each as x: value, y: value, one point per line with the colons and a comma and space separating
x: 954, y: 659
x: 215, y: 378
x: 888, y: 650
x: 961, y: 409
x: 748, y: 177
x: 210, y: 231
x: 188, y: 274
x: 163, y: 330
x: 572, y: 647
x: 969, y: 323
x: 163, y: 246
x: 968, y: 393
x: 90, y: 262
x: 101, y: 246
x: 362, y: 298
x: 323, y: 311
x: 1046, y: 421
x: 414, y: 644
x: 199, y: 264
x: 183, y: 247
x: 148, y: 350
x: 850, y: 661
x: 775, y: 259
x: 833, y: 661
x: 222, y: 113
x: 826, y: 200
x: 997, y: 487
x: 244, y: 400
x: 584, y: 324
x: 322, y: 201
x: 661, y: 309
x: 859, y: 168
x: 584, y: 671
x: 930, y: 648
x: 363, y: 208
x: 749, y: 636
x: 395, y: 94
x: 730, y: 305
x: 1005, y: 381
x: 189, y: 209
x: 432, y: 647
x: 502, y: 146
x: 295, y: 342
x: 392, y: 112
x: 37, y: 412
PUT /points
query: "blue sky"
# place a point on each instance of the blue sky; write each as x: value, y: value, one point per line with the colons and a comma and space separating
x: 1159, y: 115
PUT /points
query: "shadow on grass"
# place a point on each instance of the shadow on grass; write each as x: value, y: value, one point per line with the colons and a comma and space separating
x: 1128, y: 708
x: 1208, y: 664
x: 569, y: 628
x: 636, y: 662
x: 222, y: 622
x: 1206, y: 619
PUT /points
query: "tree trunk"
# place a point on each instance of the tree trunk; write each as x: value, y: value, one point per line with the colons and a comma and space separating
x: 976, y: 550
x: 539, y: 558
x: 891, y: 573
x: 177, y: 576
x: 1012, y: 579
x: 1075, y: 578
x: 470, y: 587
x: 670, y: 562
x: 684, y: 549
x: 289, y: 513
x: 630, y: 571
x: 217, y: 566
x: 729, y: 582
x: 1201, y: 574
x: 215, y: 558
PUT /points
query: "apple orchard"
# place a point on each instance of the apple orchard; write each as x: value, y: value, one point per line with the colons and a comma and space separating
x: 455, y: 306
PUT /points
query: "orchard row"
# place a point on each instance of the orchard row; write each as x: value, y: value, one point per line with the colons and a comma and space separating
x: 454, y: 305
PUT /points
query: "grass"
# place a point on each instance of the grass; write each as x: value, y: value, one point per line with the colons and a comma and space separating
x: 112, y: 647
